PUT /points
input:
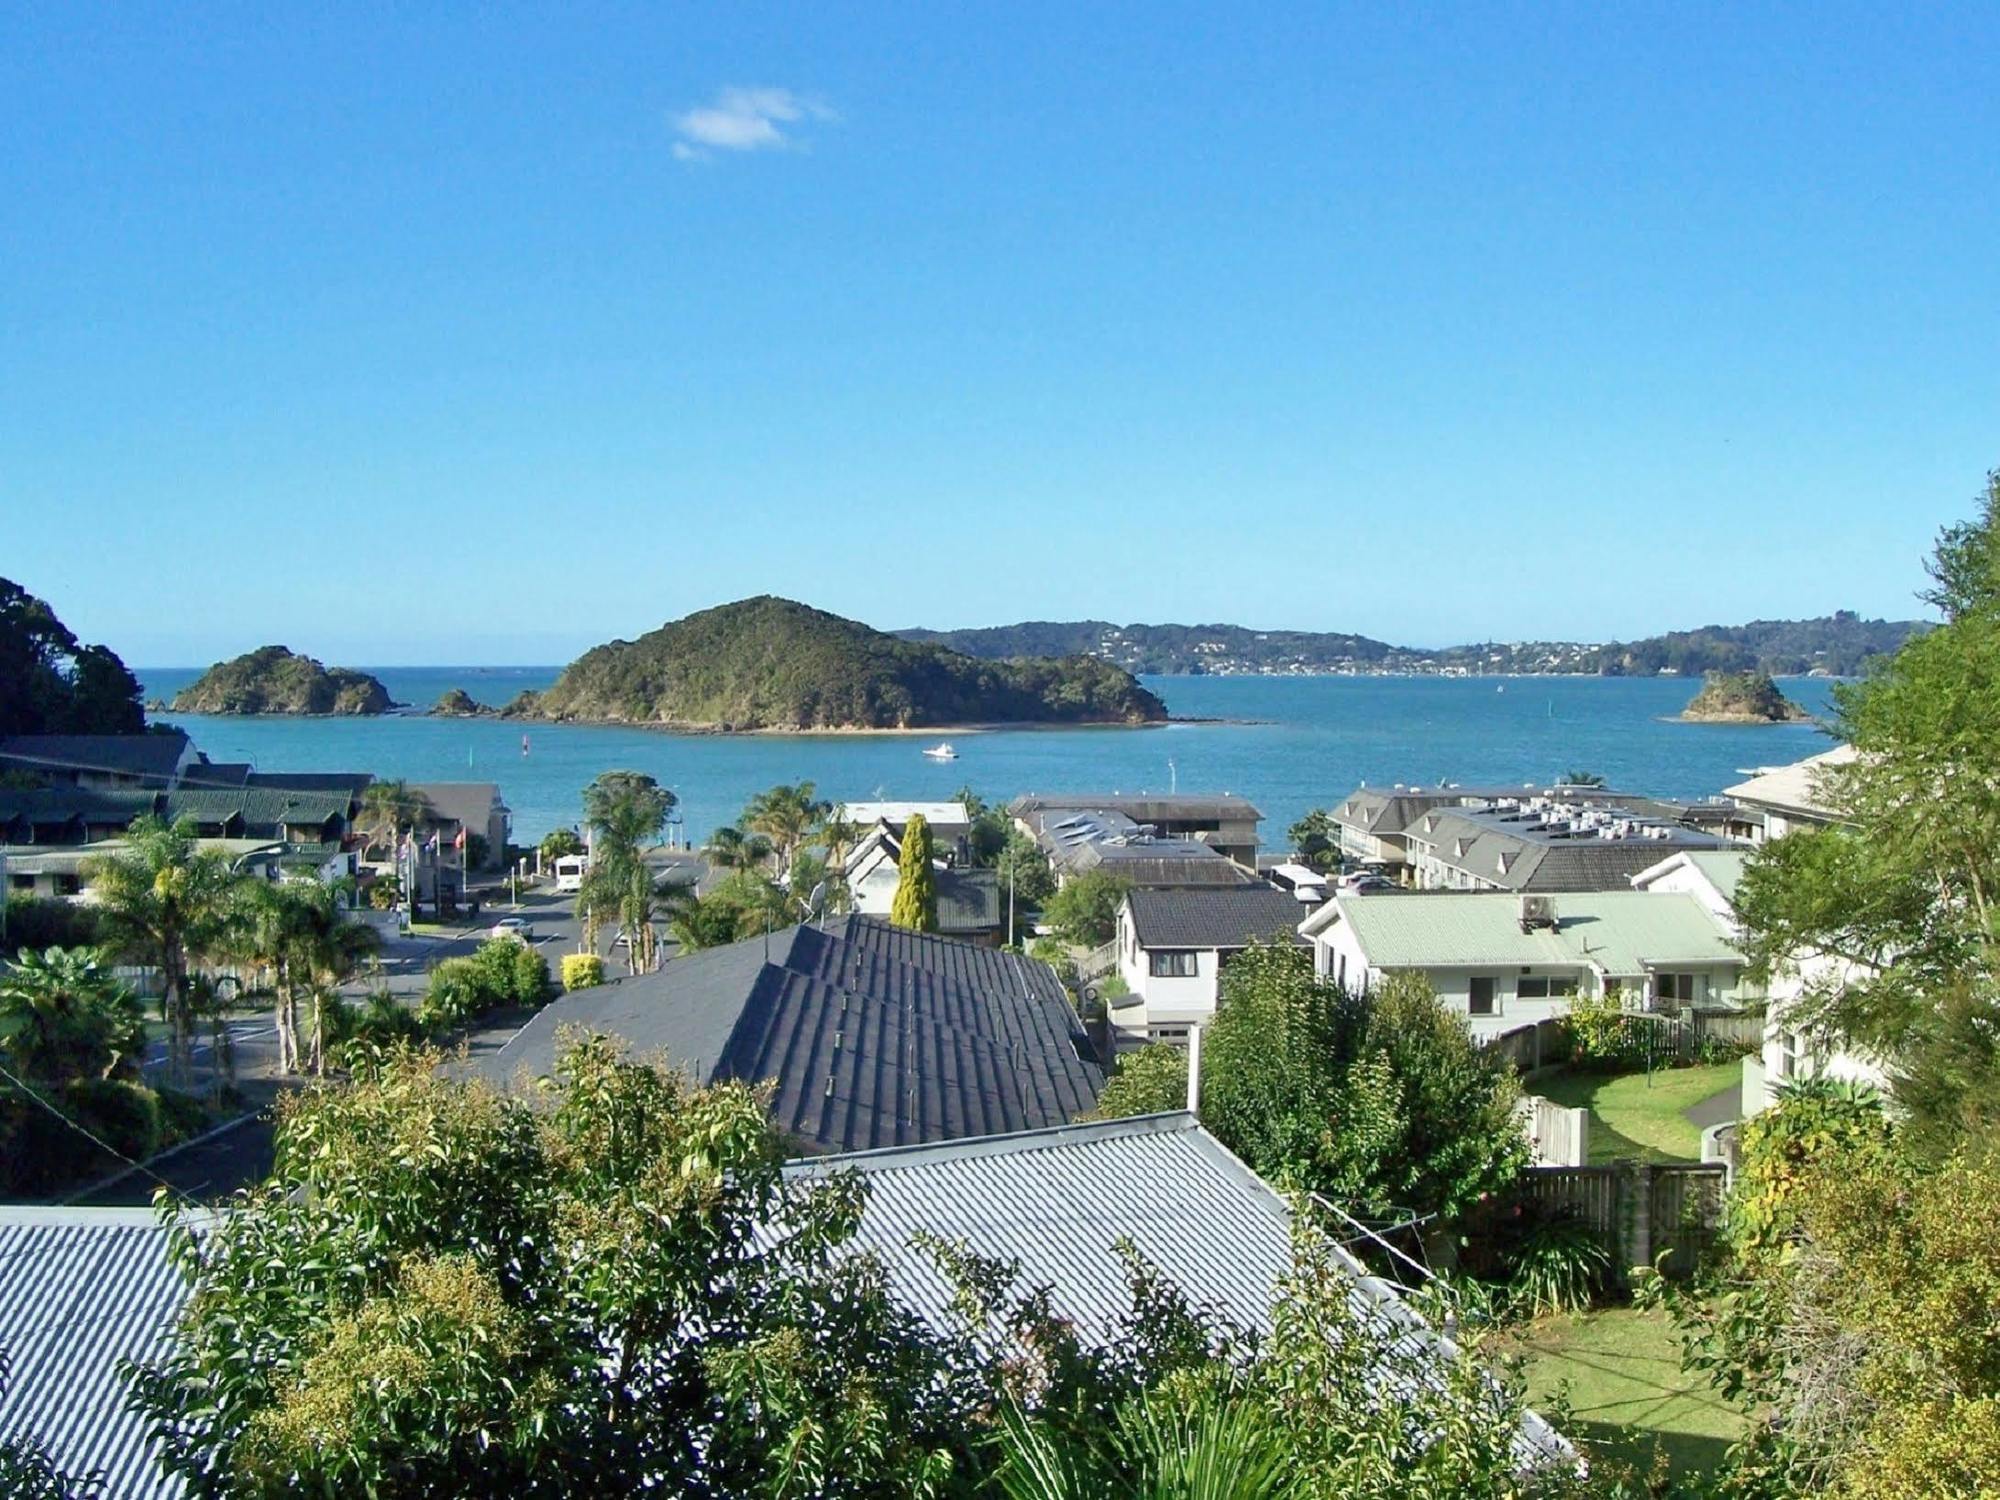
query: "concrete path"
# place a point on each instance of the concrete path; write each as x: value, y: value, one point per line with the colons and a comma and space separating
x: 1719, y: 1108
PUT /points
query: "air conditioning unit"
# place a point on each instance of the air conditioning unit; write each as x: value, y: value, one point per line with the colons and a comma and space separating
x: 1537, y: 911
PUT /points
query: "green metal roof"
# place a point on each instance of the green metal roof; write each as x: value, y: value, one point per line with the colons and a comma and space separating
x: 1622, y: 933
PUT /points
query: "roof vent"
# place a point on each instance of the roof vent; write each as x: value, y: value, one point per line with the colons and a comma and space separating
x: 1538, y: 912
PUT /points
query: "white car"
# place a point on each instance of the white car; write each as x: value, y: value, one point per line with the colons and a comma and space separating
x: 519, y: 927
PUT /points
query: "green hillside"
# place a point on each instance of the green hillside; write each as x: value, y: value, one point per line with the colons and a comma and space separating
x: 769, y: 663
x: 1839, y: 645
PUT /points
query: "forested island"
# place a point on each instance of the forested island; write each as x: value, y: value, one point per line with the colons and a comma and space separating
x: 1741, y: 698
x: 773, y: 664
x: 1836, y: 645
x: 275, y: 680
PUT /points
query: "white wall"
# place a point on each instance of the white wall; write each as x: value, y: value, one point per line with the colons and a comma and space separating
x: 1785, y: 1055
x: 1166, y: 1000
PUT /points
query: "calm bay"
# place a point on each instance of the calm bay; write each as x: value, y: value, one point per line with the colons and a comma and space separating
x: 1287, y: 743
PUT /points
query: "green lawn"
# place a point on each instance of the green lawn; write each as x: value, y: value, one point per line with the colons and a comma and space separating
x: 1638, y: 1117
x: 1620, y: 1370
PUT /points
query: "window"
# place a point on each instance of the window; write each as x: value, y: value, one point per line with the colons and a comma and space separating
x: 1479, y: 995
x: 68, y: 885
x: 21, y: 882
x: 1681, y: 989
x: 1544, y: 987
x: 1178, y: 1035
x: 1172, y: 963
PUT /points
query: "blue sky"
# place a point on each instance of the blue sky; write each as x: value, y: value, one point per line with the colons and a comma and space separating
x: 415, y: 335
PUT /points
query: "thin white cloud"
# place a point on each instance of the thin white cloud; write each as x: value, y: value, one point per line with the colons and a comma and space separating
x: 745, y: 120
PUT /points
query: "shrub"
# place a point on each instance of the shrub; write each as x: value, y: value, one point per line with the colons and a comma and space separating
x: 1555, y: 1262
x: 582, y: 971
x: 504, y: 971
x: 382, y: 1022
x: 49, y: 922
x: 1148, y: 1081
x: 40, y: 1154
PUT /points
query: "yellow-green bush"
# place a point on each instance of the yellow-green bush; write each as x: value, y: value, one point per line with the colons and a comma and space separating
x: 582, y: 971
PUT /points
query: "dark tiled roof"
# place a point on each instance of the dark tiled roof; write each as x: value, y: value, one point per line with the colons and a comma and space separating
x: 58, y: 804
x: 153, y: 756
x: 873, y: 1036
x: 1164, y: 862
x: 217, y: 773
x: 968, y: 900
x: 351, y: 782
x: 1214, y: 918
x: 258, y: 807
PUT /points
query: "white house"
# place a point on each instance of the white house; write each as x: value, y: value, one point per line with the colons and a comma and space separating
x: 968, y: 901
x: 1173, y: 946
x: 950, y: 822
x: 1505, y: 961
x: 1793, y: 798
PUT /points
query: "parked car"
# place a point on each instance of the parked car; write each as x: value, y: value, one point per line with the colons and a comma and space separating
x: 1364, y: 884
x: 519, y: 927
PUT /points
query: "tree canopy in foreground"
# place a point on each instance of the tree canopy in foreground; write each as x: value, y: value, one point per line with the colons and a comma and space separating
x: 615, y: 1289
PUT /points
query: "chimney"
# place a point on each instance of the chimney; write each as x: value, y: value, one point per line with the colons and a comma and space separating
x: 1194, y: 1070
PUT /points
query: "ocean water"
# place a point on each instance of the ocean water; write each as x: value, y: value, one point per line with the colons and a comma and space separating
x: 1287, y: 743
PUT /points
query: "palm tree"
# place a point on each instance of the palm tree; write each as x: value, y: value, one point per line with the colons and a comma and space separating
x: 624, y: 810
x: 785, y: 815
x: 837, y: 836
x: 389, y: 809
x: 166, y: 904
x: 64, y: 1016
x: 730, y: 848
x: 301, y: 931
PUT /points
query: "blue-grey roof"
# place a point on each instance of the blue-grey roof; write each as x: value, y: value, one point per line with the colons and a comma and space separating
x: 81, y: 1289
x: 1058, y: 1201
x: 873, y: 1035
x: 152, y: 756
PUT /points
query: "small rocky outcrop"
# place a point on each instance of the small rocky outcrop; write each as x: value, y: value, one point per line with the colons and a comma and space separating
x: 1741, y: 698
x: 459, y: 704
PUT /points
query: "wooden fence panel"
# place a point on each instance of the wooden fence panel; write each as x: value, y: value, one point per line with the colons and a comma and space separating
x: 1637, y: 1210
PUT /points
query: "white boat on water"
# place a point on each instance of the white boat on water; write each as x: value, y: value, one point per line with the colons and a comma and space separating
x: 942, y: 751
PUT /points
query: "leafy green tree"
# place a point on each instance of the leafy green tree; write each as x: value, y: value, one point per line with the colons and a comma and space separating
x: 915, y: 902
x: 786, y: 815
x: 168, y: 905
x: 1085, y: 910
x: 1965, y: 567
x: 989, y: 829
x: 1025, y: 877
x: 573, y: 1298
x: 64, y: 1016
x: 741, y: 905
x: 1382, y: 1103
x: 50, y: 684
x: 1149, y: 1081
x: 1889, y: 917
x: 1851, y: 1318
x: 1316, y: 839
x: 559, y: 843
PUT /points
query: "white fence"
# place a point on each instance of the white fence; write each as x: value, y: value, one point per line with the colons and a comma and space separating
x: 1559, y: 1137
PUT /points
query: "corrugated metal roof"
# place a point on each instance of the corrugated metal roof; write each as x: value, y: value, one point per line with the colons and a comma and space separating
x: 1058, y: 1201
x: 81, y: 1289
x: 1622, y: 933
